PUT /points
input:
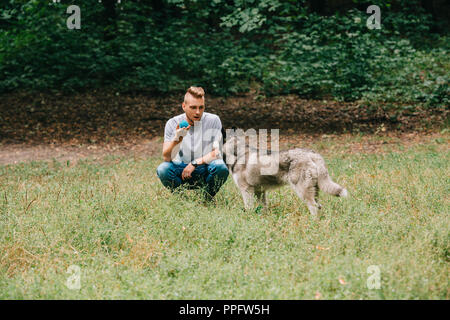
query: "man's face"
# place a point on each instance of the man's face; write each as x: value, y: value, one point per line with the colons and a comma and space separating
x: 193, y: 107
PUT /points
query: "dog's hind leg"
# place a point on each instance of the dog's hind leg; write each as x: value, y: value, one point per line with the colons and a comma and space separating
x: 316, y: 197
x: 261, y: 196
x: 310, y: 198
x: 307, y: 192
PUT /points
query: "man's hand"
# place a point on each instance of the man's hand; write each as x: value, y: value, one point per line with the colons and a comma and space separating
x: 206, y: 159
x: 171, y: 148
x: 186, y: 174
x: 215, y: 154
x: 180, y: 132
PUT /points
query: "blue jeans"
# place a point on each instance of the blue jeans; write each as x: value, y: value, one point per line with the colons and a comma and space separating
x: 208, y: 176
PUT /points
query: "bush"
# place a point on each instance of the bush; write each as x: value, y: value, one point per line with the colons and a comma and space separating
x: 278, y: 46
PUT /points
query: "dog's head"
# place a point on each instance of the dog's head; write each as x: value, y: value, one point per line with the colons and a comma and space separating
x: 232, y: 139
x: 227, y: 132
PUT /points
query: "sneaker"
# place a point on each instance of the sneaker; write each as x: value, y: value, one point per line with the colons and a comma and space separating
x: 209, y: 200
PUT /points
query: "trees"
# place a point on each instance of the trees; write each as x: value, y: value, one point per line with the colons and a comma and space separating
x: 312, y: 48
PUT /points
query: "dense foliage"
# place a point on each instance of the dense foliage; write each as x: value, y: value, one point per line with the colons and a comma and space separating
x: 229, y: 47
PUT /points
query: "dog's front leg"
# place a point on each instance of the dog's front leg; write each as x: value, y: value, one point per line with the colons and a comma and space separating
x: 261, y: 196
x: 247, y: 192
x: 248, y: 195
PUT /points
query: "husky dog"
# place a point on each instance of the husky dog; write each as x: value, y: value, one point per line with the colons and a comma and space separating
x: 304, y: 170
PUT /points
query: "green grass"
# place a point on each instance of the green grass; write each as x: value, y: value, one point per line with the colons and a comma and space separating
x: 132, y: 239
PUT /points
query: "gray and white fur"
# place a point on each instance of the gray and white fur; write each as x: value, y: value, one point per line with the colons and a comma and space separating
x: 304, y: 170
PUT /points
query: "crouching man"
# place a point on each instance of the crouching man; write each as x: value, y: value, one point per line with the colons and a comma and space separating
x: 192, y: 154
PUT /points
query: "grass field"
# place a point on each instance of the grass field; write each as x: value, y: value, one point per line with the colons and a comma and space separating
x: 132, y: 239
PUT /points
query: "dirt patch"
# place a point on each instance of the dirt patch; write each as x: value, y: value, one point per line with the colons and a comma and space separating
x: 326, y: 144
x: 372, y: 143
x: 116, y: 118
x: 99, y: 123
x: 15, y: 153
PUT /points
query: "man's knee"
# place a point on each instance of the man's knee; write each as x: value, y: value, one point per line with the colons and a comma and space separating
x: 164, y: 169
x: 219, y: 168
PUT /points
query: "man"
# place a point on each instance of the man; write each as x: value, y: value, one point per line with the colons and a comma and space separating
x: 191, y: 154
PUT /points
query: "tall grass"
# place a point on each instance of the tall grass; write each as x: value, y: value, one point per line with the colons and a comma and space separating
x: 132, y: 239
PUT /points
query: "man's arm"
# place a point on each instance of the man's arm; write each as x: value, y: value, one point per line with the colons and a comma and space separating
x: 207, y: 158
x: 170, y: 149
x: 172, y: 140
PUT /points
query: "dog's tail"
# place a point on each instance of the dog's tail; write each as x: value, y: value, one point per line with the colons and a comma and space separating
x: 329, y: 186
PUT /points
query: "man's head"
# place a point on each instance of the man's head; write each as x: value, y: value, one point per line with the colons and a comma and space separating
x: 194, y: 104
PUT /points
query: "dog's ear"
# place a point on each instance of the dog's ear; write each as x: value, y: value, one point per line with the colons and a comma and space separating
x: 231, y: 132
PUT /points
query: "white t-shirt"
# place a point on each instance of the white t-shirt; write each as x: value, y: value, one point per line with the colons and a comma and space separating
x: 200, y: 138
